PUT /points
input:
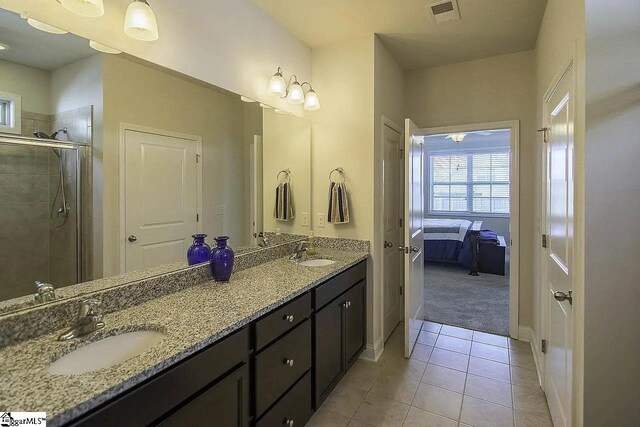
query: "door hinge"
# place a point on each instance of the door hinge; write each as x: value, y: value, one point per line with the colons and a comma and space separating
x: 402, y: 153
x: 545, y: 134
x: 544, y: 240
x: 400, y: 222
x: 197, y: 158
x: 543, y: 346
x: 197, y: 217
x: 400, y: 289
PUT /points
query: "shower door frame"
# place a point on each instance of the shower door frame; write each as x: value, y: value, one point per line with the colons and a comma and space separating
x: 81, y: 150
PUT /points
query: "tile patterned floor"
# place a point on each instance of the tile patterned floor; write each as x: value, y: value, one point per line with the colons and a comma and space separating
x: 455, y: 377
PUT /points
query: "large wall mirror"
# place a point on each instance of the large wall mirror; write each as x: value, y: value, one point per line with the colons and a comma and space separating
x: 109, y: 165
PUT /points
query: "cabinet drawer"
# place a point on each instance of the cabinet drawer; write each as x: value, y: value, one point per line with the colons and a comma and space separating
x: 280, y: 321
x: 339, y: 284
x: 275, y: 372
x: 295, y: 406
x: 154, y: 398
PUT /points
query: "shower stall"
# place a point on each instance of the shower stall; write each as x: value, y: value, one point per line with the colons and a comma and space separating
x: 41, y: 218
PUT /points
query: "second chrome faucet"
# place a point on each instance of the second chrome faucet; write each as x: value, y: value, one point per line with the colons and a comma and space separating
x: 89, y: 320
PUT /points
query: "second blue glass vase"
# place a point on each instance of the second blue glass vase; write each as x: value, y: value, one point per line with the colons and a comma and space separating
x: 222, y: 257
x: 199, y: 252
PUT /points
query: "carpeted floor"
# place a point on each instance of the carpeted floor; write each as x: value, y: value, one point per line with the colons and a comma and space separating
x: 453, y: 297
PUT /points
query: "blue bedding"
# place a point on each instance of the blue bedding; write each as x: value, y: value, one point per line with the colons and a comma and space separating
x: 452, y: 251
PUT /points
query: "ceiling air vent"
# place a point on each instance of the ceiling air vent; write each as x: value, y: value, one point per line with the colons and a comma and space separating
x: 444, y: 11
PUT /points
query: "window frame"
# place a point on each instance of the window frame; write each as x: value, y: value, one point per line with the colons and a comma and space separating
x: 14, y: 113
x: 469, y: 183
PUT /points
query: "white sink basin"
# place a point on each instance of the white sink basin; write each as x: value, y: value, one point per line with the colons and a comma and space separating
x: 317, y: 262
x: 104, y: 353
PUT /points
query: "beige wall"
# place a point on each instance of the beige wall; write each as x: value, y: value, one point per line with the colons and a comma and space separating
x: 286, y: 145
x: 488, y: 90
x: 612, y: 181
x: 231, y: 44
x: 138, y: 95
x: 32, y: 84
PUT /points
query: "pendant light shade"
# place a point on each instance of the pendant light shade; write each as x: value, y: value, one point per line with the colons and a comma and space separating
x: 45, y: 27
x: 296, y: 94
x: 311, y: 101
x: 277, y: 85
x: 89, y: 8
x: 140, y: 22
x: 103, y: 48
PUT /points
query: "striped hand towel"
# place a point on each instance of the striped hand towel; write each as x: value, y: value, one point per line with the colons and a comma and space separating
x: 338, y: 205
x: 283, y: 209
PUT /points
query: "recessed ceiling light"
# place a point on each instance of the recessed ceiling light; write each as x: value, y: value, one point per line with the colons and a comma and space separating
x: 245, y: 99
x: 3, y: 46
x: 103, y: 48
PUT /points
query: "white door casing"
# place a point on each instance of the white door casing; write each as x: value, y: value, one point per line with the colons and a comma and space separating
x: 392, y: 146
x: 255, y: 189
x: 413, y: 236
x: 160, y: 197
x: 558, y: 255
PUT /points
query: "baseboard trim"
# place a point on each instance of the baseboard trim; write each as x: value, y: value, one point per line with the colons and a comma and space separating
x: 528, y: 334
x: 373, y: 352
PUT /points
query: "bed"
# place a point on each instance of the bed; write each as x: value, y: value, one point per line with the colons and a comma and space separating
x: 452, y: 240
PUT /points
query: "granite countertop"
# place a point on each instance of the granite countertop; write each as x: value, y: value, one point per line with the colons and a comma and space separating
x: 191, y: 320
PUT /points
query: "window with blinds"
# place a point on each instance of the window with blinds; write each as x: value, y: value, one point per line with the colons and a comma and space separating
x: 470, y: 183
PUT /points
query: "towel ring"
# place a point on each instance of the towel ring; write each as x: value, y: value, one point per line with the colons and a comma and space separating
x: 340, y: 171
x: 287, y: 173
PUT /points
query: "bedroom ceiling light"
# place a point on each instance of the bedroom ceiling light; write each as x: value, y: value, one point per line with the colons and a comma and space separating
x: 456, y: 137
x: 3, y: 46
x: 88, y: 8
x: 293, y: 92
x: 104, y: 48
x: 140, y: 22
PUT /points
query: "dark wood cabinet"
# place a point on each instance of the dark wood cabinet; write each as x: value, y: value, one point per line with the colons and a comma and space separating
x: 272, y: 372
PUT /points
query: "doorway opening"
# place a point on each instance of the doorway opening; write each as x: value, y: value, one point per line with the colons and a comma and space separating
x: 470, y: 191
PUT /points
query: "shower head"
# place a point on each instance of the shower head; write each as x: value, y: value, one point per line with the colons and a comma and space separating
x: 43, y: 135
x: 61, y: 130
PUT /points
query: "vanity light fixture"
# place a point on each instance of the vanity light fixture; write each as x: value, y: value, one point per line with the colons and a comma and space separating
x: 41, y: 25
x: 104, y: 48
x: 3, y: 46
x: 88, y: 8
x: 140, y: 22
x: 456, y: 137
x: 245, y: 99
x: 294, y: 91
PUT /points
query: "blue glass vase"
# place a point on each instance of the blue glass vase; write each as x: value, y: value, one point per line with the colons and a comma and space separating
x: 199, y: 252
x: 222, y: 260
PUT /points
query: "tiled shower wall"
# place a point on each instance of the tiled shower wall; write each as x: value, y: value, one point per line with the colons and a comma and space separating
x: 32, y: 249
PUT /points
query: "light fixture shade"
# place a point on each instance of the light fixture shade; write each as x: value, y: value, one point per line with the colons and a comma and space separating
x: 89, y: 8
x: 457, y: 137
x: 296, y: 94
x: 140, y: 22
x: 279, y: 111
x: 311, y: 101
x: 277, y: 86
x: 103, y: 48
x: 45, y: 27
x: 246, y: 99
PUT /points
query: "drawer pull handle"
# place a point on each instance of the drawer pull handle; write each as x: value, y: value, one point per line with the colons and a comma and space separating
x: 288, y: 422
x: 288, y: 362
x: 289, y: 318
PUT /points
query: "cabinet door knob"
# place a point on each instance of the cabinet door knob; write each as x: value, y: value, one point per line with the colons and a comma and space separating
x: 288, y: 362
x: 288, y: 422
x: 289, y: 318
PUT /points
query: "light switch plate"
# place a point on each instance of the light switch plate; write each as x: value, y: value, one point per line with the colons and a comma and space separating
x: 321, y: 219
x: 305, y: 219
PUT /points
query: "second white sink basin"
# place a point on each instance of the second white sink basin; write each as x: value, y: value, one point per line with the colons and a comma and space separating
x: 317, y: 262
x: 104, y: 353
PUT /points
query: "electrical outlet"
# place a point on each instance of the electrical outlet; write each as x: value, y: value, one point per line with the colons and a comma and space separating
x: 305, y: 219
x: 321, y: 219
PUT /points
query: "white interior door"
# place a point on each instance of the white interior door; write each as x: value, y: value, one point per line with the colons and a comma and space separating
x: 559, y: 251
x: 393, y: 238
x: 255, y: 188
x: 160, y: 198
x: 413, y: 236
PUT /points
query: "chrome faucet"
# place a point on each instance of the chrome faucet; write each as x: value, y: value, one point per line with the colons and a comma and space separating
x: 301, y: 249
x: 45, y: 292
x: 89, y: 320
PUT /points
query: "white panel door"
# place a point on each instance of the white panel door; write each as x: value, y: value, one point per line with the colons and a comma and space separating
x: 392, y: 213
x: 413, y: 236
x: 160, y: 198
x: 559, y: 251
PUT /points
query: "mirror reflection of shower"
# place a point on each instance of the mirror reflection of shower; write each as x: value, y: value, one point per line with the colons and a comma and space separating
x: 59, y: 206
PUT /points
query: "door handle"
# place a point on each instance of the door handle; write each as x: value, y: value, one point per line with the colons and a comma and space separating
x: 562, y: 296
x: 413, y: 249
x: 132, y: 238
x: 388, y: 244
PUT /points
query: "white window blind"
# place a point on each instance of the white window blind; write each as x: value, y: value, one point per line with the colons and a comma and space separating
x: 471, y: 183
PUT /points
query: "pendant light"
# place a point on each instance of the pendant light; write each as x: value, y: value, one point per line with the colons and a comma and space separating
x: 277, y: 85
x: 104, y: 48
x: 296, y: 94
x: 140, y: 22
x: 311, y: 101
x: 89, y: 8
